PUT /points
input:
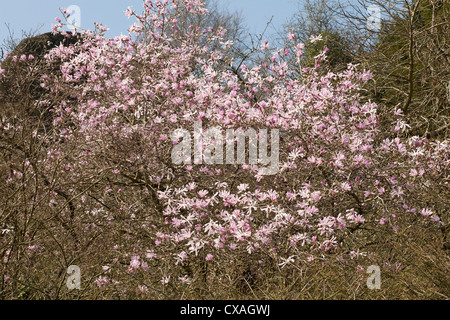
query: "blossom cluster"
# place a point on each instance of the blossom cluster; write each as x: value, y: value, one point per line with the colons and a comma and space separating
x: 115, y: 102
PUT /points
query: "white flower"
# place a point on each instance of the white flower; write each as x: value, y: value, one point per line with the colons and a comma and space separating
x: 286, y: 261
x: 185, y: 279
x: 316, y: 38
x: 165, y: 280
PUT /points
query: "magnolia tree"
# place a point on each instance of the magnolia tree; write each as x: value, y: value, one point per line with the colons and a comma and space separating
x: 158, y: 167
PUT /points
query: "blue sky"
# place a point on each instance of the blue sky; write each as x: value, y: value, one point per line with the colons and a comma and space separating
x: 30, y: 14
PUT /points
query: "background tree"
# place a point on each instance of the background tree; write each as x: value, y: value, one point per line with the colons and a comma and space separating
x: 314, y: 18
x: 409, y: 56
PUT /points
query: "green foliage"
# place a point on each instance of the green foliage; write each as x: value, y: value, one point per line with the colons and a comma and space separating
x: 411, y: 65
x: 337, y: 58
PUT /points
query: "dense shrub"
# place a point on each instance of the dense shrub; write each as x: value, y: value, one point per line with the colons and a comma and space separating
x: 99, y: 189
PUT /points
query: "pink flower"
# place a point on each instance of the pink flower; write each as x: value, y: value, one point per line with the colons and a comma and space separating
x: 426, y: 212
x: 150, y: 255
x: 185, y: 280
x: 346, y: 186
x: 265, y: 45
x: 35, y: 247
x: 128, y: 12
x: 359, y: 219
x: 202, y: 193
x: 209, y: 257
x: 135, y: 263
x: 101, y: 281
